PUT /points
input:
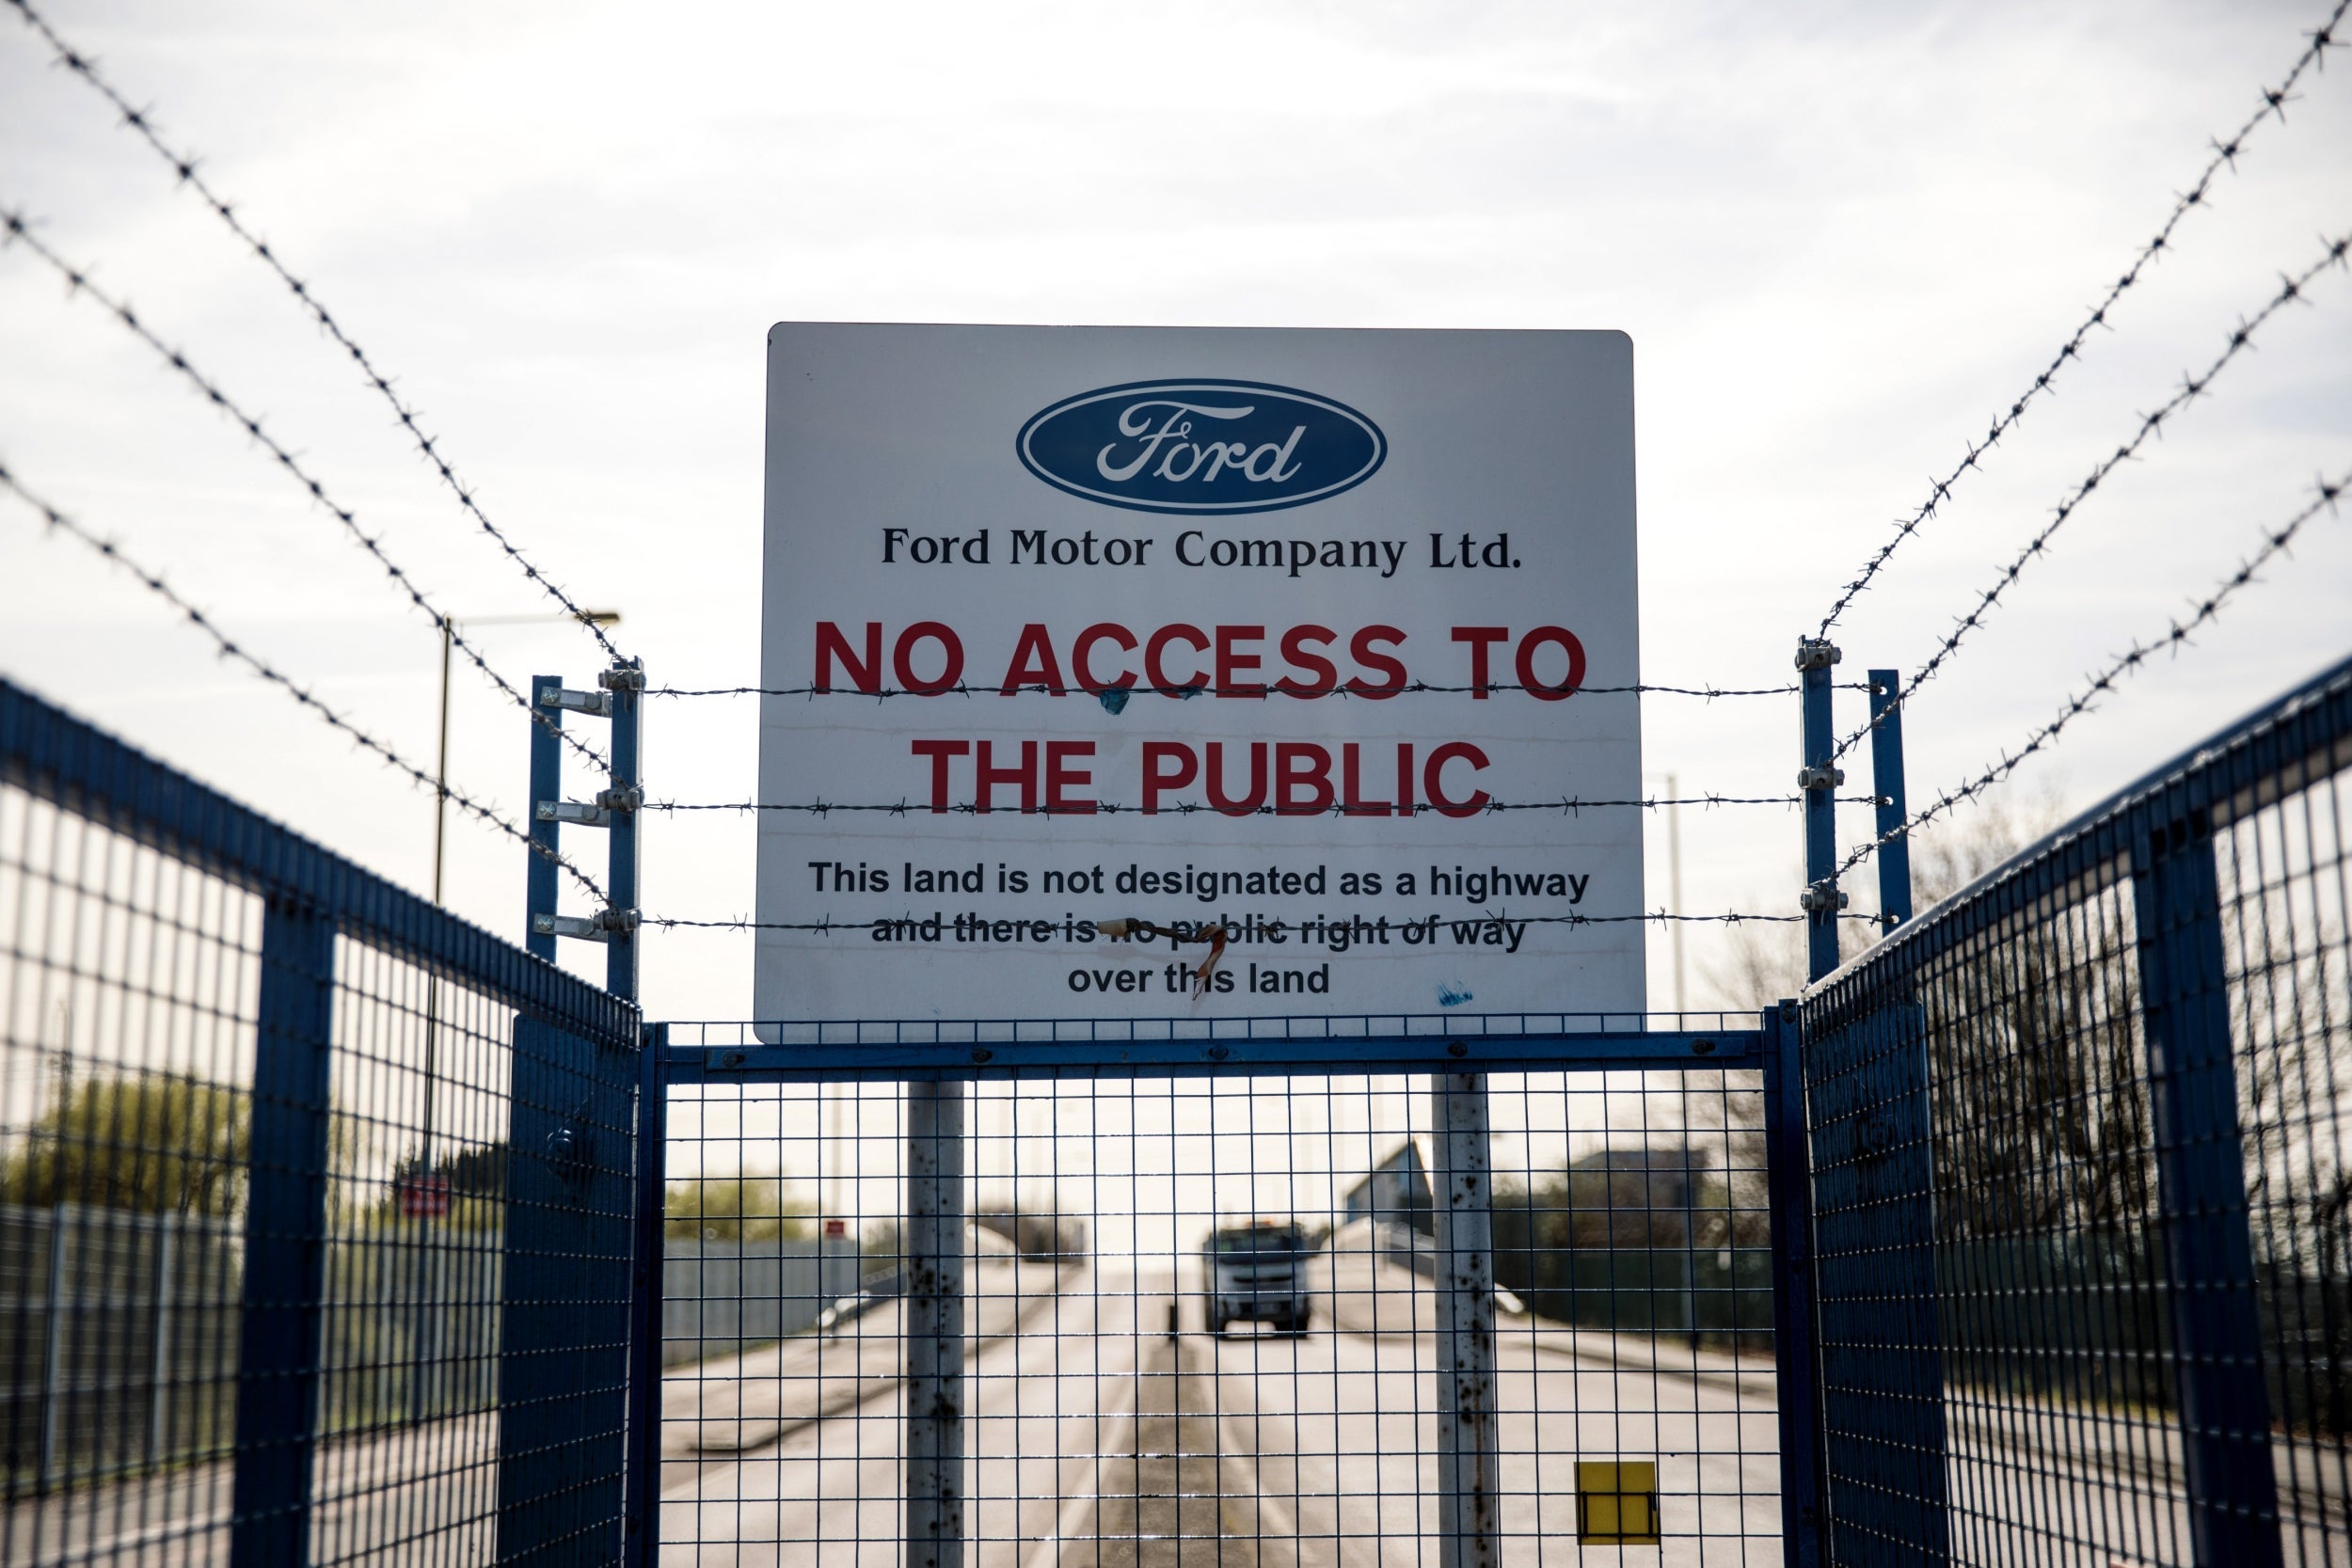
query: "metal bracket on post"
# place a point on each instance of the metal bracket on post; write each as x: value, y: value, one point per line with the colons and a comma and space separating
x: 1821, y: 901
x: 606, y: 924
x: 934, y: 1325
x: 1470, y: 1480
x: 616, y: 809
x: 1788, y: 1181
x: 597, y: 704
x: 1886, y: 783
x: 624, y: 690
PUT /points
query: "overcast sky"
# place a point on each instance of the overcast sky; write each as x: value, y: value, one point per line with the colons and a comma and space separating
x: 1843, y: 238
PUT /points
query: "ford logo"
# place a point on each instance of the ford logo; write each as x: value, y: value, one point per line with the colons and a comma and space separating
x: 1202, y: 446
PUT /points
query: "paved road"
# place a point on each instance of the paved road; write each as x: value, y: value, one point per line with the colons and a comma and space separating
x: 1101, y: 1441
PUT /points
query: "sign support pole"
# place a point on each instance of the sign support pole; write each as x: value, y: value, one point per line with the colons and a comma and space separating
x: 1468, y: 1466
x: 934, y: 1325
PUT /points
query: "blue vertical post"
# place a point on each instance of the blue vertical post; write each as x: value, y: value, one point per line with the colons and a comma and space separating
x: 641, y: 1537
x: 1886, y: 783
x: 1818, y: 780
x: 2200, y: 1187
x: 1869, y: 1123
x: 1788, y: 1178
x: 567, y: 1298
x: 627, y: 682
x: 283, y: 1296
x: 546, y: 784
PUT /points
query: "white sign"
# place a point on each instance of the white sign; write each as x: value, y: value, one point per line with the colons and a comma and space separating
x: 1133, y: 624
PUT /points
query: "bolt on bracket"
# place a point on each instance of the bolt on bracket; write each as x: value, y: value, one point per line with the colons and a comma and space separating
x: 1823, y: 777
x: 577, y: 813
x: 1817, y: 653
x: 597, y: 704
x: 604, y: 926
x: 1820, y: 898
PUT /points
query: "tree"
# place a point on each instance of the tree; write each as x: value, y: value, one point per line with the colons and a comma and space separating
x: 148, y: 1141
x: 733, y: 1209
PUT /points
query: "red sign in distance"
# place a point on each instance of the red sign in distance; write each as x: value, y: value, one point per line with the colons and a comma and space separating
x: 424, y: 1198
x: 837, y: 1227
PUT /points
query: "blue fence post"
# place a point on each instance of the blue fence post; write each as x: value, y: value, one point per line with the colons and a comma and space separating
x: 2200, y: 1183
x: 564, y: 1324
x: 1818, y: 780
x: 627, y: 682
x: 642, y: 1532
x: 1790, y: 1185
x: 1884, y: 1437
x: 1886, y: 783
x: 546, y: 784
x: 283, y: 1297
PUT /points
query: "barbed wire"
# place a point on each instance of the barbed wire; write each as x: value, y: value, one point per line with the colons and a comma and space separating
x: 14, y: 230
x: 184, y: 166
x: 231, y: 648
x: 829, y: 926
x: 1046, y: 689
x: 2327, y: 493
x: 2274, y: 102
x: 1568, y: 805
x: 2192, y: 387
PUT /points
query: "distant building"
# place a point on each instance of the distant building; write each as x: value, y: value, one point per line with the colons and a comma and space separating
x: 1396, y: 1191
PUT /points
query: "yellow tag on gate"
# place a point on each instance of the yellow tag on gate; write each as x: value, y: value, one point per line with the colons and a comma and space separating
x: 1616, y: 1503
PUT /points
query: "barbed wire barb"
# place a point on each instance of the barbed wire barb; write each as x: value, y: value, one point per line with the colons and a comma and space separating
x: 185, y: 165
x: 227, y: 647
x: 16, y: 230
x: 2319, y: 41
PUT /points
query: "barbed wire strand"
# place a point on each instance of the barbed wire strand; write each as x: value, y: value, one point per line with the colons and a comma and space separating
x: 1568, y: 805
x: 231, y: 648
x: 2327, y: 492
x: 14, y: 230
x: 185, y: 165
x: 1046, y: 689
x: 2274, y: 102
x: 2291, y: 289
x: 1473, y: 918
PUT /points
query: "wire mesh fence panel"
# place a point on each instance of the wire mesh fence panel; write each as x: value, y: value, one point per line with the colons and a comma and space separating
x: 131, y: 1001
x: 315, y: 1204
x: 2078, y: 1144
x: 2284, y: 886
x: 1222, y: 1317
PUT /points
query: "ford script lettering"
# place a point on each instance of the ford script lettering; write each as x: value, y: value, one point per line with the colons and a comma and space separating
x: 1202, y: 446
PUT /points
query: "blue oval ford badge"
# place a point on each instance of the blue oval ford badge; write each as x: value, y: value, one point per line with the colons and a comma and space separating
x: 1202, y: 446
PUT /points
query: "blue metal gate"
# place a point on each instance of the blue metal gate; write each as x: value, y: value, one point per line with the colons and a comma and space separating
x: 2079, y: 1148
